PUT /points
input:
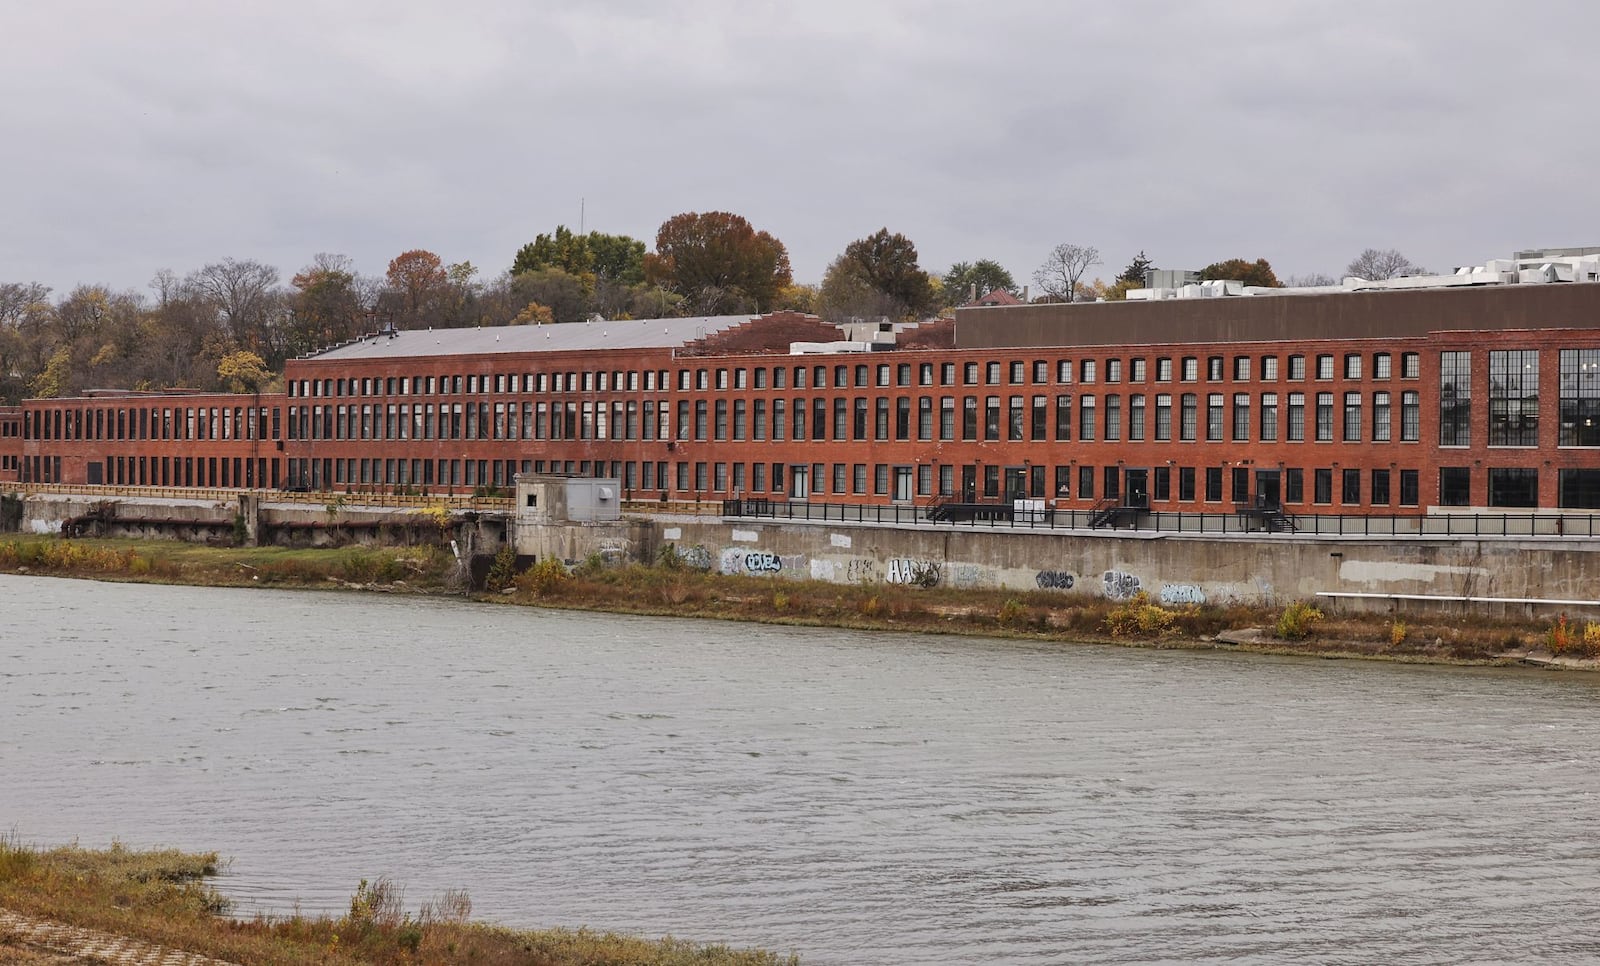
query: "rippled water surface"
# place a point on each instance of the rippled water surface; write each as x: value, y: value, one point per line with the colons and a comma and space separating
x: 852, y: 797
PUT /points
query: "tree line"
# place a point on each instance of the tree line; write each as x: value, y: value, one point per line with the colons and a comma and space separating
x: 233, y: 323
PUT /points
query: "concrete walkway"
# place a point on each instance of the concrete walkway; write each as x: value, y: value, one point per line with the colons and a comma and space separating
x: 35, y: 940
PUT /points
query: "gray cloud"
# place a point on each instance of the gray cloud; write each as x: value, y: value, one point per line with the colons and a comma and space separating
x: 170, y: 134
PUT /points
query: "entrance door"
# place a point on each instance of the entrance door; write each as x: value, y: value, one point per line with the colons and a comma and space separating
x: 902, y: 484
x: 969, y: 484
x: 1016, y: 483
x: 1268, y: 494
x: 1138, y: 488
x: 799, y: 481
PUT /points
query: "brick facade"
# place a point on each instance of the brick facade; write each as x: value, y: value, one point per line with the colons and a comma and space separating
x: 1335, y: 417
x: 10, y: 443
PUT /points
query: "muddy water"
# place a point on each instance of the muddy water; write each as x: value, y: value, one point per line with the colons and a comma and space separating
x: 852, y: 797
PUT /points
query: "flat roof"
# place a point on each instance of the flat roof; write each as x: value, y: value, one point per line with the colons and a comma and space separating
x: 1251, y: 318
x: 563, y: 337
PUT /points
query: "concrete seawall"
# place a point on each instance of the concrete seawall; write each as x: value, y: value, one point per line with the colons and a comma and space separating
x: 1527, y: 576
x: 1170, y: 568
x: 252, y: 518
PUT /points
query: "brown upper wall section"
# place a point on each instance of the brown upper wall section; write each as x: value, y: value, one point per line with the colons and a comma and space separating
x: 767, y: 334
x: 1264, y: 318
x: 938, y: 334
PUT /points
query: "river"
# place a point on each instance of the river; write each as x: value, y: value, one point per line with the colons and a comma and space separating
x: 853, y: 797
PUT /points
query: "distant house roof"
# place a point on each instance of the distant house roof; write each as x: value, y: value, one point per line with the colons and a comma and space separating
x: 564, y: 337
x: 998, y: 296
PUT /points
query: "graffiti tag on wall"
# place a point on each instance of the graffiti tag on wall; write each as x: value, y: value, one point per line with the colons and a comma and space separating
x: 696, y: 556
x: 970, y: 575
x: 762, y: 562
x: 921, y: 573
x: 1182, y: 594
x: 1054, y: 580
x: 861, y: 570
x: 1119, y: 585
x: 738, y: 560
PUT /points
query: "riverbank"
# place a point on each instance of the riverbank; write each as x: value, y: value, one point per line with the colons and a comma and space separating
x: 163, y: 899
x: 427, y: 570
x: 671, y: 588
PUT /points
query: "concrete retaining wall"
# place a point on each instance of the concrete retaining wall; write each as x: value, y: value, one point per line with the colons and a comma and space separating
x: 616, y: 540
x: 173, y: 519
x: 1170, y: 568
x: 288, y: 524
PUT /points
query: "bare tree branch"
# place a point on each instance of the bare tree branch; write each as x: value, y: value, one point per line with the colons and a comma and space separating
x: 1375, y: 266
x: 1058, y: 276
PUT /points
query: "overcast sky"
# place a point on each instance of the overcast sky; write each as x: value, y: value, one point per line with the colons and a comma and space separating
x: 150, y: 135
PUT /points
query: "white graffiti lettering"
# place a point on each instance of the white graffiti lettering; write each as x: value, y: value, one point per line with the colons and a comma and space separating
x: 1120, y: 586
x: 1182, y: 594
x: 920, y: 573
x: 696, y: 556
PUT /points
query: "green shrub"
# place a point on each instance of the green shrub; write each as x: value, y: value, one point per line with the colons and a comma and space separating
x: 379, y: 903
x: 545, y: 578
x: 503, y: 571
x: 359, y: 566
x: 1137, y: 617
x: 1297, y: 621
x: 1011, y: 613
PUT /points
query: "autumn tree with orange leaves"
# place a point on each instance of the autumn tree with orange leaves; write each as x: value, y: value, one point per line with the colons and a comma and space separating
x: 418, y: 284
x: 718, y: 263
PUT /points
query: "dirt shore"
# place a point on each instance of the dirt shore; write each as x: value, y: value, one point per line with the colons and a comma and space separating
x: 670, y: 588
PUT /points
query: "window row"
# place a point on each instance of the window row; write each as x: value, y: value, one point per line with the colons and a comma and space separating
x: 209, y: 472
x: 179, y: 423
x: 862, y: 375
x: 1240, y: 417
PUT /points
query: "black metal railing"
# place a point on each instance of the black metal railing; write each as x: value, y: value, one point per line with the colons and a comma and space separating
x: 1108, y: 512
x: 1245, y: 519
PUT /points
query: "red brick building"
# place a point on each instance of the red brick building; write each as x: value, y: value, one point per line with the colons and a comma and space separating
x: 1345, y: 402
x: 10, y: 443
x: 174, y: 439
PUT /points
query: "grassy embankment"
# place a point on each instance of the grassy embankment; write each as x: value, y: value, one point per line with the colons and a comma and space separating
x: 162, y: 897
x: 417, y: 569
x: 671, y: 588
x: 668, y: 587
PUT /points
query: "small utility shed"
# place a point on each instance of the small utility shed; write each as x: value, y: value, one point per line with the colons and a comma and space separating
x: 542, y: 498
x: 572, y: 517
